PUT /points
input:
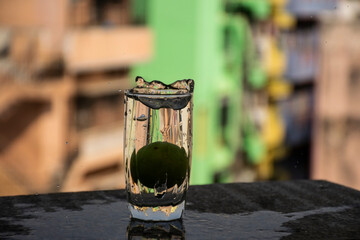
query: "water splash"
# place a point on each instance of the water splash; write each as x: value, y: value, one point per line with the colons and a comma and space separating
x: 157, y: 87
x: 263, y: 224
x: 176, y: 95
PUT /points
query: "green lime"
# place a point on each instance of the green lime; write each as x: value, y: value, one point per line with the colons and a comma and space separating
x: 159, y: 163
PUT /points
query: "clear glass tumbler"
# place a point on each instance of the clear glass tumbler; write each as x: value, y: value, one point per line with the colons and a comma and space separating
x: 157, y: 148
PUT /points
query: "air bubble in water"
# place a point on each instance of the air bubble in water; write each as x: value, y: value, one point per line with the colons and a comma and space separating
x: 141, y: 118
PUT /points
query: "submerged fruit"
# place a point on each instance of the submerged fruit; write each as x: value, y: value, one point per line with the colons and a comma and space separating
x: 159, y: 163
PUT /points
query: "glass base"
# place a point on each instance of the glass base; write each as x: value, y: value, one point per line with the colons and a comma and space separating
x: 164, y: 213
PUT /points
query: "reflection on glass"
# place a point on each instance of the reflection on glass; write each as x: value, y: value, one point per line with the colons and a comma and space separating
x: 138, y: 229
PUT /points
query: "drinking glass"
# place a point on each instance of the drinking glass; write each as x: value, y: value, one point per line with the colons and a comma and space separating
x: 157, y: 148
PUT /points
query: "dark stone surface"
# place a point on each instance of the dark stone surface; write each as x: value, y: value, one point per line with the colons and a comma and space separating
x: 263, y: 210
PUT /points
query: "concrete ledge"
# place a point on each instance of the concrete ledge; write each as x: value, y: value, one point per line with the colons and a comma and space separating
x: 262, y: 210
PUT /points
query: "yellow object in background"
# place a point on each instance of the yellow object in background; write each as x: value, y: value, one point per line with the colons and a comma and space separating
x: 278, y: 3
x: 280, y: 16
x: 273, y: 134
x: 274, y: 59
x: 274, y: 63
x: 279, y: 88
x: 273, y: 130
x: 283, y: 19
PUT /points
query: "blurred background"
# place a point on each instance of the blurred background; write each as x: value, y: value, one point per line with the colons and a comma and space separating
x: 277, y: 88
